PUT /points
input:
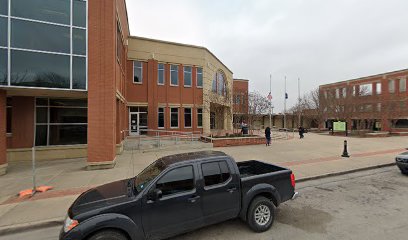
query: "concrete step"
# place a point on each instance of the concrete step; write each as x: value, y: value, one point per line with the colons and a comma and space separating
x: 153, y: 146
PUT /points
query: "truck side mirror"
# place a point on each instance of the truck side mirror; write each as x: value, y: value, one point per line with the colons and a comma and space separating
x: 155, y: 195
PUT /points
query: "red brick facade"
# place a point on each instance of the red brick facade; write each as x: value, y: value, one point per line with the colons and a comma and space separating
x: 240, y: 100
x: 358, y: 101
x: 3, y: 144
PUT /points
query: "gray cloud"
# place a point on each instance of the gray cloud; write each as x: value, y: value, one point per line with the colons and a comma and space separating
x: 319, y: 41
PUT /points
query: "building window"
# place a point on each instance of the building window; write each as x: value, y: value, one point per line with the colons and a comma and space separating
x: 378, y: 107
x: 378, y: 88
x: 402, y: 85
x: 354, y: 90
x: 187, y: 76
x: 3, y: 66
x: 199, y: 117
x: 199, y: 77
x: 188, y: 117
x: 43, y: 10
x: 366, y: 89
x: 219, y: 83
x: 137, y: 72
x: 9, y: 115
x: 79, y: 13
x: 61, y: 122
x: 391, y: 86
x: 119, y: 43
x: 337, y: 92
x: 160, y: 74
x: 160, y: 117
x: 173, y: 75
x: 344, y: 93
x: 174, y: 119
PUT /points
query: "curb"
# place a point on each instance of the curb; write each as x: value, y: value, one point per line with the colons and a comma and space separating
x: 344, y: 172
x: 10, y: 229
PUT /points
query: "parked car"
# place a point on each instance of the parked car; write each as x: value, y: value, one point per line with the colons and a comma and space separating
x: 402, y: 162
x: 180, y: 193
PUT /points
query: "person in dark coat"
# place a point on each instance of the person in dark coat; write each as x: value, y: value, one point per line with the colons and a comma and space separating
x: 268, y: 136
x: 301, y: 132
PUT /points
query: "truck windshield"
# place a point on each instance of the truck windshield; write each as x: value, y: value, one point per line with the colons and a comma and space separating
x: 148, y: 174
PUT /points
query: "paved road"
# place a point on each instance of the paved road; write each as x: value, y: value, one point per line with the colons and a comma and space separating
x: 364, y: 205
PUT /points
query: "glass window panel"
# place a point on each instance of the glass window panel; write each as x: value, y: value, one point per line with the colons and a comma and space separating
x: 36, y: 36
x: 160, y: 73
x: 174, y: 75
x: 4, y: 7
x: 9, y: 113
x: 174, y: 117
x: 79, y: 41
x: 402, y: 85
x: 68, y: 102
x: 3, y: 67
x: 199, y: 117
x: 211, y: 173
x: 187, y: 76
x: 161, y: 118
x: 3, y: 31
x: 187, y: 117
x: 225, y: 172
x: 142, y: 109
x: 78, y: 73
x: 176, y: 181
x: 68, y: 115
x: 39, y: 70
x: 79, y: 13
x: 137, y: 72
x: 42, y: 114
x: 41, y: 135
x: 57, y: 11
x: 199, y: 77
x: 41, y: 101
x: 68, y: 134
x: 143, y: 119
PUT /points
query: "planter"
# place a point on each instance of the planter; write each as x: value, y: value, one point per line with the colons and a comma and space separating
x: 234, y: 141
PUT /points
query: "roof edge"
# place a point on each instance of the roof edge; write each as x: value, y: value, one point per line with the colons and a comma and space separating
x: 362, y: 78
x: 181, y: 44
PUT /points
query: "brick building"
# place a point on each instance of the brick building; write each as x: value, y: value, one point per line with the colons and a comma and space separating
x: 74, y: 83
x: 240, y: 101
x: 373, y: 103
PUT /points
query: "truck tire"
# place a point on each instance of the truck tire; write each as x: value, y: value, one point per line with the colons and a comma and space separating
x: 108, y: 235
x: 261, y: 214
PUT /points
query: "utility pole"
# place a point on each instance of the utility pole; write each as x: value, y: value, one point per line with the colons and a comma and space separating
x: 284, y: 107
x: 299, y: 108
x: 270, y: 101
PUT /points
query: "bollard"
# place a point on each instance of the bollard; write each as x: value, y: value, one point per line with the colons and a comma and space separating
x: 345, y: 153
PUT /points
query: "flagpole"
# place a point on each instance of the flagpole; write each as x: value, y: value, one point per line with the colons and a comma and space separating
x: 299, y: 109
x: 284, y: 108
x: 270, y: 101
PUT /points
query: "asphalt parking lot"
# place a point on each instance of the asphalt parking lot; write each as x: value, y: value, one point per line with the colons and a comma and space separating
x: 364, y: 205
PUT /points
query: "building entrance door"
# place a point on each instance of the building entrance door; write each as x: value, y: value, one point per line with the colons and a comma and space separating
x: 134, y: 123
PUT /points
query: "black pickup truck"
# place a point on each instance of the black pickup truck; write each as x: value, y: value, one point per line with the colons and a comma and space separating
x: 180, y: 193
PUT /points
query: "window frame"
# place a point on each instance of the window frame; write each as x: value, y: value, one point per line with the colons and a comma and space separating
x: 158, y: 117
x: 198, y: 126
x: 202, y: 77
x: 402, y: 80
x: 178, y: 117
x: 393, y: 86
x: 141, y: 72
x: 164, y: 74
x: 171, y: 70
x: 378, y: 88
x: 191, y: 117
x: 154, y: 186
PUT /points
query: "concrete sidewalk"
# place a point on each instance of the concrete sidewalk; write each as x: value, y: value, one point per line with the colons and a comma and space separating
x: 313, y: 157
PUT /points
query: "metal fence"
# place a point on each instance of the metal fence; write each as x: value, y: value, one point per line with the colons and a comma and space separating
x: 150, y: 139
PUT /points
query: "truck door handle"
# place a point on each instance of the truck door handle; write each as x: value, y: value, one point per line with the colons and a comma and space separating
x: 193, y: 199
x: 231, y: 190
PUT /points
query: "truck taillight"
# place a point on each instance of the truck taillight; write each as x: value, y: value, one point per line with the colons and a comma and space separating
x: 292, y: 180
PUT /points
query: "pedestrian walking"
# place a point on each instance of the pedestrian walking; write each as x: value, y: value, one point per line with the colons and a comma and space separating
x: 268, y: 136
x: 301, y: 132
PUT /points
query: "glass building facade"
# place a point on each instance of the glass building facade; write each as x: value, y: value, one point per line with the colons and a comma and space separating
x: 43, y: 44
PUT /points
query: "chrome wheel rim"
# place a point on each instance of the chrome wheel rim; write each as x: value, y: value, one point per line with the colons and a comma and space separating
x: 262, y: 215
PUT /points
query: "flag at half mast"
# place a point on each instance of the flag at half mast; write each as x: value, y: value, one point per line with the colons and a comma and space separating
x: 269, y: 96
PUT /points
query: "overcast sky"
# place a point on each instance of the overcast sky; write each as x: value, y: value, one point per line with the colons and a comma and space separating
x: 319, y: 41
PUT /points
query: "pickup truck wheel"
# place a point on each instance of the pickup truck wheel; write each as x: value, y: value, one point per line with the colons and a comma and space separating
x: 261, y: 214
x: 108, y: 235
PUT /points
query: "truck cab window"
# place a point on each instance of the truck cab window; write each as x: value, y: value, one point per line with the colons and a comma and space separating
x: 176, y: 181
x: 215, y: 173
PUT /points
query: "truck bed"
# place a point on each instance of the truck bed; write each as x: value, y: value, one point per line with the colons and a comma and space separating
x: 253, y: 167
